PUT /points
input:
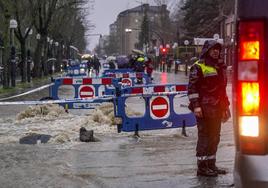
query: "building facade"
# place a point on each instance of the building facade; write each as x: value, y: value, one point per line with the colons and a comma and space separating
x: 128, y: 26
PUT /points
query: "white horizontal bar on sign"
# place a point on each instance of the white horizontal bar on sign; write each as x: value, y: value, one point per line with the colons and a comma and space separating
x: 160, y: 107
x: 86, y: 93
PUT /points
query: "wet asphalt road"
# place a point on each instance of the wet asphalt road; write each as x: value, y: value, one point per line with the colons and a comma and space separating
x: 161, y: 158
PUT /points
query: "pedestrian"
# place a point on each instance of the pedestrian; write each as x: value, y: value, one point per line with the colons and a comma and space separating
x: 149, y: 67
x: 210, y: 104
x: 139, y: 67
x: 139, y: 64
x: 20, y: 66
x: 89, y: 66
x: 169, y: 63
x: 112, y: 64
x: 131, y: 61
x: 96, y: 65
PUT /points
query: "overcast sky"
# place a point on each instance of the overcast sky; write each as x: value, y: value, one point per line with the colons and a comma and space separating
x: 105, y: 13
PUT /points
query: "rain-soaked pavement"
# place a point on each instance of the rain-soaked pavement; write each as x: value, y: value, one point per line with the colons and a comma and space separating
x: 161, y: 158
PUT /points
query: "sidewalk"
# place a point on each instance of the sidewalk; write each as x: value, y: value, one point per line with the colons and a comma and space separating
x: 24, y: 87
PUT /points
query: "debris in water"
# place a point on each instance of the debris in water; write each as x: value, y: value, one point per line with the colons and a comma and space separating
x: 35, y: 139
x: 53, y: 110
x: 60, y: 138
x: 86, y: 135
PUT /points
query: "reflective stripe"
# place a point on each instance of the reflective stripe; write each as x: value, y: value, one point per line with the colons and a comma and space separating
x: 202, y: 158
x: 211, y: 157
x: 193, y: 96
x: 207, y: 70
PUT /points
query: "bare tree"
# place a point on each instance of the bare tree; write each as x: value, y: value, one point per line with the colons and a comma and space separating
x: 25, y: 24
x: 5, y: 15
x: 43, y: 12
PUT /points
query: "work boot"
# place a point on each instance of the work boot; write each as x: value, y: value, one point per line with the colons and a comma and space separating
x: 212, y: 166
x: 203, y: 169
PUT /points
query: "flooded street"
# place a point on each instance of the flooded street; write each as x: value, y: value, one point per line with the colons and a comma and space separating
x: 160, y: 158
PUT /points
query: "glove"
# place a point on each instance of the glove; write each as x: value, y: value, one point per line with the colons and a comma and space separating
x: 226, y: 115
x: 198, y: 112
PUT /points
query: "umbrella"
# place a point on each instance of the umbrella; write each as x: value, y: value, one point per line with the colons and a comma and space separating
x: 111, y: 58
x: 122, y: 61
x: 139, y: 52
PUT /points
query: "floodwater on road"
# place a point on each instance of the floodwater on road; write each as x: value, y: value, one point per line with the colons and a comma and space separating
x: 160, y: 158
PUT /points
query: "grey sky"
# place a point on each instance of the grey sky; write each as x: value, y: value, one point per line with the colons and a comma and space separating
x: 105, y: 13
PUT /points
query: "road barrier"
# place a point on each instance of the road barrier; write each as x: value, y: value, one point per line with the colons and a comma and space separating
x: 165, y: 106
x: 84, y: 88
x: 128, y: 77
x: 154, y: 89
x: 77, y: 70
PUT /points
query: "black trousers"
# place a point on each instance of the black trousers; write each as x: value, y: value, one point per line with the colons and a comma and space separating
x: 208, y: 137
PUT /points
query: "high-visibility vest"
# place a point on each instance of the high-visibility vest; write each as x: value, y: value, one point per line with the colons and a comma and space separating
x: 206, y: 69
x: 140, y: 59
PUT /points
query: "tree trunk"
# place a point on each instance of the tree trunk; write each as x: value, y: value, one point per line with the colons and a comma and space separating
x: 45, y: 57
x: 23, y: 61
x: 37, y: 61
x: 6, y: 51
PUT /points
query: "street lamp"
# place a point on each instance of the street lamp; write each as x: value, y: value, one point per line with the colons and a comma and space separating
x: 127, y: 30
x: 12, y: 26
x: 38, y: 36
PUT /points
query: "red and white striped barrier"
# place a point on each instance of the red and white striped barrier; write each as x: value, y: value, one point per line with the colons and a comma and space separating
x: 150, y: 89
x: 84, y: 81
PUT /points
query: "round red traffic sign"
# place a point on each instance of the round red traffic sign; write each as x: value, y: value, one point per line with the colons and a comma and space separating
x: 86, y: 92
x: 160, y: 107
x: 126, y: 82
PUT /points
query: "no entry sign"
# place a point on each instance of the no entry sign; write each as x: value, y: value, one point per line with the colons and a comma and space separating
x: 126, y: 82
x: 159, y: 107
x: 86, y: 92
